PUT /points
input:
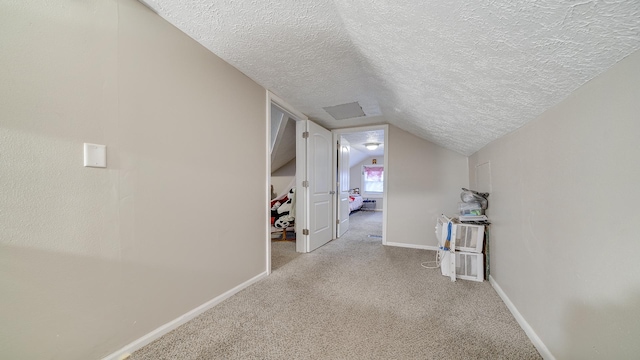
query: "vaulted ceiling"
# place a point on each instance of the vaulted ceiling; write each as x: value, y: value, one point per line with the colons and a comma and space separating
x: 457, y: 73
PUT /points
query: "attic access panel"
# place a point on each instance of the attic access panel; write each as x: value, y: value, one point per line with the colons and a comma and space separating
x: 345, y: 111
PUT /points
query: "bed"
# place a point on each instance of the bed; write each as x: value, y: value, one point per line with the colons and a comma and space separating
x: 355, y: 202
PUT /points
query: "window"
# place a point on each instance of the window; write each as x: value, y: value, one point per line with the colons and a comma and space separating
x: 372, y: 179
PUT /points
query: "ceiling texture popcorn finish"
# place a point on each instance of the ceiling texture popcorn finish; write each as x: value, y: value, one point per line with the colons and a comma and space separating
x: 459, y: 74
x: 358, y: 139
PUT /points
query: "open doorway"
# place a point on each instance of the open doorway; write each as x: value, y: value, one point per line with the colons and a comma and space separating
x: 309, y: 204
x: 361, y: 172
x: 314, y: 202
x: 283, y: 174
x: 282, y: 183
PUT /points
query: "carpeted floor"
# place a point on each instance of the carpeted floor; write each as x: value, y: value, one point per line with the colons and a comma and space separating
x: 351, y: 299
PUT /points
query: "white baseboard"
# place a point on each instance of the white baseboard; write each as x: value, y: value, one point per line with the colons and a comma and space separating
x: 171, y: 325
x: 537, y: 342
x: 413, y: 246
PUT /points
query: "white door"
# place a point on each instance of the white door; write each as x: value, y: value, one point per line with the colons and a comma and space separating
x: 319, y: 191
x: 343, y: 186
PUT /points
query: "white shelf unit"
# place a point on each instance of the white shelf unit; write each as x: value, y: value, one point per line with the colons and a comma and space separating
x: 464, y: 258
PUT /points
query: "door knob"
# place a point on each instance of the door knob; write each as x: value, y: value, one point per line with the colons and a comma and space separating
x: 332, y: 192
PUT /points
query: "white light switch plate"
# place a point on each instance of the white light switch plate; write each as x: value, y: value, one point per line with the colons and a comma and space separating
x: 95, y: 155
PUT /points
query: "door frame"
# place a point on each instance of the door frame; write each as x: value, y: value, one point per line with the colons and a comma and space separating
x: 339, y: 186
x: 301, y: 205
x: 336, y: 135
x: 273, y: 99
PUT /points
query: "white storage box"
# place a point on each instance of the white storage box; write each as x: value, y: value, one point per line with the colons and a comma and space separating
x: 471, y: 208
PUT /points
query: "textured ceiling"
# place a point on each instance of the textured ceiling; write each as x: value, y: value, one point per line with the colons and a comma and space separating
x: 460, y: 74
x: 358, y: 151
x: 358, y: 139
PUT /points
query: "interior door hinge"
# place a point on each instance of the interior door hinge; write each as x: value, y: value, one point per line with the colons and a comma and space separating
x: 305, y: 183
x: 305, y: 135
x: 305, y: 231
x: 337, y: 221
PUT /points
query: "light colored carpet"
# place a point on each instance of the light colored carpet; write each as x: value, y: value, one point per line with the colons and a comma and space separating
x: 351, y: 299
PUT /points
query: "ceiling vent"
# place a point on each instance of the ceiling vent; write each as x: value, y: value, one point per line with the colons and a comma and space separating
x: 345, y: 111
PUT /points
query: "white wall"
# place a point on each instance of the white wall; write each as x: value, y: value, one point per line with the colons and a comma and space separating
x: 92, y: 259
x: 425, y: 180
x: 283, y: 177
x: 355, y: 177
x: 564, y: 207
x: 356, y: 156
